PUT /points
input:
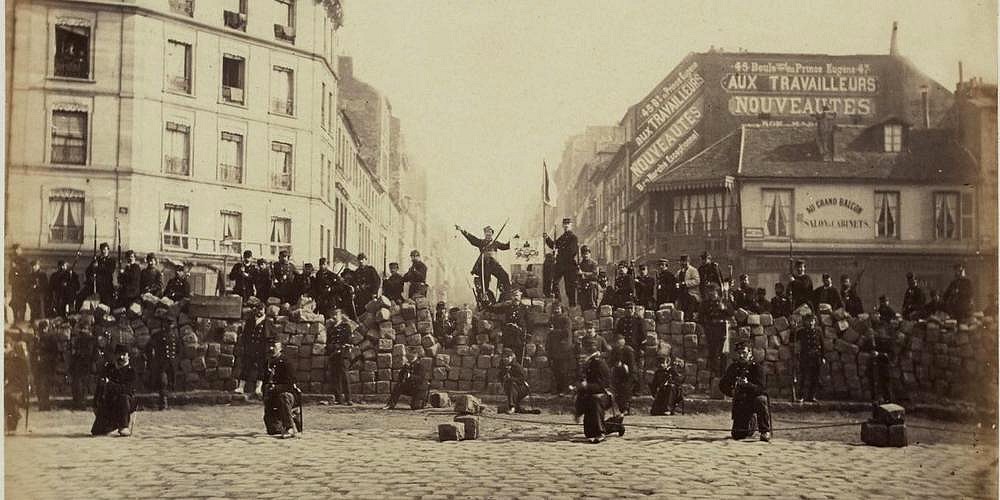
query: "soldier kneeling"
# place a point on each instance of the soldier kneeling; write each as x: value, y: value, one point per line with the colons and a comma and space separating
x: 515, y: 382
x: 744, y: 382
x: 114, y: 398
x: 666, y: 388
x: 412, y: 382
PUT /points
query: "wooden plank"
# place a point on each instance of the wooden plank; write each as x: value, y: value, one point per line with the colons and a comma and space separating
x: 206, y: 306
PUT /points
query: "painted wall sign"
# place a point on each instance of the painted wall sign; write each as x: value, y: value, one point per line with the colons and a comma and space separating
x: 831, y: 215
x: 794, y: 88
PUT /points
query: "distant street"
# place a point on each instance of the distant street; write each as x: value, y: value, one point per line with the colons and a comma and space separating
x: 222, y: 452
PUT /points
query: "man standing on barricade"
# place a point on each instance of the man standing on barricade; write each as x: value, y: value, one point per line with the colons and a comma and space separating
x: 567, y: 247
x: 589, y: 290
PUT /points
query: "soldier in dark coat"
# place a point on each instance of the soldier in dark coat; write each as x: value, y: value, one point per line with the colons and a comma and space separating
x: 780, y: 305
x: 486, y: 265
x: 744, y: 295
x: 632, y: 327
x: 263, y: 280
x: 178, y: 288
x: 37, y: 288
x: 709, y: 272
x: 645, y: 289
x: 515, y: 382
x: 130, y: 281
x: 624, y: 285
x: 666, y: 283
x: 150, y: 280
x: 416, y: 276
x: 935, y: 305
x: 594, y: 398
x: 958, y: 297
x: 880, y: 346
x: 323, y: 286
x: 589, y: 289
x: 412, y: 382
x: 914, y: 301
x: 114, y: 398
x: 567, y: 269
x: 760, y: 303
x: 366, y: 282
x: 559, y: 347
x: 548, y: 274
x: 666, y: 387
x: 852, y: 302
x: 827, y: 294
x: 82, y: 356
x: 886, y: 314
x: 46, y: 361
x: 811, y: 360
x: 15, y: 381
x: 624, y: 373
x: 161, y: 356
x: 304, y: 283
x: 338, y: 350
x: 744, y: 382
x: 282, y: 397
x: 515, y: 327
x: 64, y: 285
x: 283, y: 277
x: 242, y: 275
x: 393, y: 285
x: 443, y: 326
x: 714, y: 317
x: 800, y: 286
x: 253, y: 349
x: 17, y: 280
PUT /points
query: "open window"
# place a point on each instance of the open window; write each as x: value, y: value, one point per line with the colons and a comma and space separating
x: 72, y: 57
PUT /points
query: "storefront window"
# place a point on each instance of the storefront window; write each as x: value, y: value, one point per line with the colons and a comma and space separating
x: 887, y: 214
x: 777, y: 212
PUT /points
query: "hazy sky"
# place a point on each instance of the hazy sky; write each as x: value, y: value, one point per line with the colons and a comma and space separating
x: 487, y: 89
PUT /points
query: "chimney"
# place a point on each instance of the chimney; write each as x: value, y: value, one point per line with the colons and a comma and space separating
x: 825, y: 127
x: 926, y: 108
x: 893, y: 49
x: 960, y: 72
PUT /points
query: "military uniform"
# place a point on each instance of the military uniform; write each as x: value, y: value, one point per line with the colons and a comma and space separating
x: 83, y: 354
x: 366, y: 283
x: 958, y: 298
x: 486, y: 265
x: 416, y: 276
x: 881, y: 348
x: 810, y: 359
x: 666, y: 287
x: 178, y: 288
x: 130, y: 281
x: 624, y: 376
x: 559, y: 347
x: 745, y: 383
x: 392, y: 287
x: 800, y: 291
x: 688, y: 282
x: 37, y: 287
x: 303, y: 284
x: 15, y: 384
x: 242, y: 276
x: 781, y: 306
x: 590, y: 292
x: 852, y: 303
x: 715, y: 317
x: 515, y: 384
x: 666, y: 390
x: 914, y: 302
x: 548, y: 274
x: 16, y: 278
x: 281, y: 397
x: 161, y: 354
x: 645, y: 292
x: 443, y: 326
x: 744, y: 297
x: 566, y: 269
x: 46, y: 362
x: 595, y: 399
x: 711, y: 275
x: 151, y: 280
x: 338, y: 350
x: 63, y: 288
x: 412, y: 382
x: 283, y: 277
x: 624, y: 289
x: 263, y: 281
x: 328, y: 288
x: 114, y: 399
x: 827, y: 295
x: 253, y: 346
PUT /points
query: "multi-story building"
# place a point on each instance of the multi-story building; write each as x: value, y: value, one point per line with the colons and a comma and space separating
x: 199, y: 129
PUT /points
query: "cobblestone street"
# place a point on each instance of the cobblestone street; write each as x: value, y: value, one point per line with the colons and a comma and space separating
x: 222, y: 451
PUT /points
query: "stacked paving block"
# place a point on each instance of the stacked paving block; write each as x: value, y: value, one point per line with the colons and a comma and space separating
x: 886, y: 427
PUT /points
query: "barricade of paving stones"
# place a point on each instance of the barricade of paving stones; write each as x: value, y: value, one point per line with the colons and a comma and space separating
x: 934, y: 357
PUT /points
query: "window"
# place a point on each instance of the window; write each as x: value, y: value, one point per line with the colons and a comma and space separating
x: 887, y: 214
x: 322, y: 176
x: 283, y: 85
x: 72, y: 51
x: 232, y: 78
x: 176, y: 150
x: 322, y: 105
x: 698, y: 214
x: 69, y: 137
x: 178, y: 66
x: 232, y: 232
x: 777, y: 212
x: 281, y: 235
x: 66, y: 212
x: 281, y: 166
x: 231, y: 158
x: 235, y: 16
x: 953, y: 216
x: 175, y: 228
x: 184, y: 7
x: 893, y: 140
x: 284, y: 20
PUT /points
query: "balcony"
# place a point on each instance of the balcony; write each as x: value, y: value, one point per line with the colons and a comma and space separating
x: 211, y: 246
x: 179, y: 84
x: 69, y: 154
x: 282, y: 106
x: 286, y: 33
x: 231, y: 174
x: 66, y: 234
x: 235, y: 20
x: 232, y: 94
x: 176, y: 166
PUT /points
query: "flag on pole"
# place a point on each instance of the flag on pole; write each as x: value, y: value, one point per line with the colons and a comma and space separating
x: 548, y: 187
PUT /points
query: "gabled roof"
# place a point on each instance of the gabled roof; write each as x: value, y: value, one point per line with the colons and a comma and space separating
x: 709, y: 168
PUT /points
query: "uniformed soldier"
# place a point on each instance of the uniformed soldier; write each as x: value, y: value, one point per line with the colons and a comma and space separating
x: 304, y: 283
x: 559, y: 347
x: 935, y: 305
x: 283, y: 278
x: 412, y: 382
x: 242, y: 275
x: 715, y: 317
x: 760, y: 304
x: 15, y: 381
x: 366, y: 282
x: 263, y: 280
x: 282, y: 395
x: 64, y: 285
x: 444, y: 327
x: 811, y: 360
x: 827, y: 294
x: 253, y: 349
x: 114, y: 397
x: 624, y: 285
x: 914, y: 301
x: 624, y: 373
x: 514, y: 330
x: 161, y: 356
x: 589, y: 288
x: 393, y: 285
x: 151, y: 280
x: 486, y: 265
x: 515, y: 381
x: 744, y: 382
x: 852, y: 302
x: 880, y: 345
x: 594, y: 398
x: 82, y: 356
x: 645, y: 289
x: 590, y: 339
x: 666, y: 283
x: 632, y: 327
x: 327, y: 286
x: 178, y: 288
x: 548, y: 274
x: 609, y: 296
x: 666, y: 387
x: 688, y: 283
x: 744, y: 295
x: 130, y: 281
x: 416, y: 276
x: 338, y: 349
x: 800, y: 286
x: 37, y: 287
x: 886, y: 314
x: 567, y: 247
x: 780, y: 305
x: 709, y: 273
x: 45, y: 361
x: 958, y: 297
x: 17, y: 279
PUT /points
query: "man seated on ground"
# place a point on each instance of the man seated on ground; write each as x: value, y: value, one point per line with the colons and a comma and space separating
x: 412, y: 382
x: 114, y: 398
x: 281, y: 395
x: 744, y: 382
x: 515, y: 382
x: 666, y: 387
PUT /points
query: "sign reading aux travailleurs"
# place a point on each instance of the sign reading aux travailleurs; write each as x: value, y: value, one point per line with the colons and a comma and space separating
x: 665, y: 124
x: 797, y: 88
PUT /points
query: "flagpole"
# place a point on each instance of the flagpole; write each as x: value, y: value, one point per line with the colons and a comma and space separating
x: 545, y: 188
